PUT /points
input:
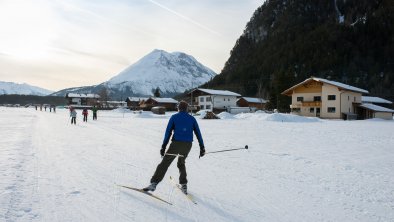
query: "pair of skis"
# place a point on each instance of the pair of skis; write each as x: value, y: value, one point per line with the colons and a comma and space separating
x: 188, y: 196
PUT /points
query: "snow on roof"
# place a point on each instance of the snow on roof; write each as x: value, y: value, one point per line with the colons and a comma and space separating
x: 341, y: 85
x: 254, y: 100
x: 376, y: 108
x: 82, y: 95
x: 165, y: 100
x: 218, y: 92
x: 373, y: 99
x: 337, y: 84
x: 137, y: 99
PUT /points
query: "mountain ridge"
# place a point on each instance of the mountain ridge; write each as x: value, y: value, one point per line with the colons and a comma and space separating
x: 172, y: 73
x: 8, y: 88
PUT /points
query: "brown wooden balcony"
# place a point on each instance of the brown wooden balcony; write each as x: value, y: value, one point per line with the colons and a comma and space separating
x: 311, y: 103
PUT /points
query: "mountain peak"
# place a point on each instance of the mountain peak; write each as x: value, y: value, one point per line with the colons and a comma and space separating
x: 172, y: 72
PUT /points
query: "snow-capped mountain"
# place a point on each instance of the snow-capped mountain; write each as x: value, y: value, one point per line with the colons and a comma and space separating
x: 22, y: 89
x: 172, y: 73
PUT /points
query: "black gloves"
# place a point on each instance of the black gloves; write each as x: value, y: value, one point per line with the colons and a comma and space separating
x: 163, y: 149
x: 202, y: 151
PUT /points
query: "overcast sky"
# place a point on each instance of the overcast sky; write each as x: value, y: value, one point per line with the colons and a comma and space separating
x: 56, y: 44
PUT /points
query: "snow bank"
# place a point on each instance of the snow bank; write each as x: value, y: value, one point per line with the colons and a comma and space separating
x: 279, y: 117
x: 225, y: 115
x: 121, y: 110
x: 276, y: 117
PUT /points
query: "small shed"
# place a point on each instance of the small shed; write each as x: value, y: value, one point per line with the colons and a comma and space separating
x: 368, y: 111
x: 258, y: 103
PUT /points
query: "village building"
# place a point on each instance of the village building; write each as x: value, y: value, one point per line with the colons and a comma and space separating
x: 170, y: 104
x: 83, y: 100
x: 369, y: 108
x: 250, y: 102
x: 134, y: 103
x: 214, y: 100
x: 325, y: 98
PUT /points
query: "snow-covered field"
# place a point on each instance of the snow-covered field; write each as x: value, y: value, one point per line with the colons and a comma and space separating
x: 296, y: 169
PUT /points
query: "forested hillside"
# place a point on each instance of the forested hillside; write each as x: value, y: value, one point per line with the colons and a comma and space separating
x: 287, y: 41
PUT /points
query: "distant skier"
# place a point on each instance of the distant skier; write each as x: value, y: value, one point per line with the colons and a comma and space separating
x: 85, y: 115
x: 183, y: 126
x: 73, y: 115
x: 94, y: 110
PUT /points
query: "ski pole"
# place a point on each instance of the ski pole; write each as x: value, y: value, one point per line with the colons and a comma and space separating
x: 219, y: 151
x: 171, y: 154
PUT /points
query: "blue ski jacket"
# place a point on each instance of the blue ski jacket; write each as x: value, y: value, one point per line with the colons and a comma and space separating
x: 183, y: 126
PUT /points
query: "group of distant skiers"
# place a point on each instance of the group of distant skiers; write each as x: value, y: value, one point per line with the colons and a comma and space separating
x: 45, y: 107
x: 85, y: 113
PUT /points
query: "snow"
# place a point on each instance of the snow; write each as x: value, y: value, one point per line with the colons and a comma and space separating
x: 298, y: 169
x: 341, y: 85
x: 373, y: 99
x: 254, y: 100
x: 82, y: 95
x: 171, y: 72
x: 376, y: 108
x: 218, y: 92
x: 22, y: 89
x: 334, y: 83
x: 164, y: 100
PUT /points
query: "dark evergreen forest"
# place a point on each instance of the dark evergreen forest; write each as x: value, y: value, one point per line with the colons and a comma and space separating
x: 288, y: 41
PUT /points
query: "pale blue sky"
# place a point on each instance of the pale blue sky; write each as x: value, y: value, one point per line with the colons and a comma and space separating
x: 57, y: 44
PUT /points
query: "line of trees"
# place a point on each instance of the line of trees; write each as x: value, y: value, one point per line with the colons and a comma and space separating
x: 29, y: 99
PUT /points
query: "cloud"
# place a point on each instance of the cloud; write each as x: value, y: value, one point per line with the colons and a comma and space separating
x: 185, y: 17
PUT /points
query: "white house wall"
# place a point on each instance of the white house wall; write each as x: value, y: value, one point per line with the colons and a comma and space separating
x: 308, y: 97
x: 383, y: 115
x: 220, y: 102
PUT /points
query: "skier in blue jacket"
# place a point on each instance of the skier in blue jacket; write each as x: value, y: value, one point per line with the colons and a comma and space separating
x: 183, y: 125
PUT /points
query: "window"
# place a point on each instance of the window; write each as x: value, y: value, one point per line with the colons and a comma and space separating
x: 331, y: 109
x: 348, y: 98
x: 312, y: 110
x: 297, y: 110
x: 201, y: 99
x: 331, y: 97
x: 201, y: 106
x: 300, y: 99
x: 209, y: 99
x: 208, y: 106
x: 317, y: 98
x: 224, y: 99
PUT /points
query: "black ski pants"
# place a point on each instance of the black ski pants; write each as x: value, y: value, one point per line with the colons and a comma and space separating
x: 74, y: 120
x: 176, y: 147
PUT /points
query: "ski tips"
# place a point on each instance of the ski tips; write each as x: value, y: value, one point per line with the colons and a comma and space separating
x: 246, y: 147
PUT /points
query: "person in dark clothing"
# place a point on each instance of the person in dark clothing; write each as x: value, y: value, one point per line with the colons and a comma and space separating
x: 183, y: 125
x: 73, y: 115
x: 94, y: 110
x: 85, y: 115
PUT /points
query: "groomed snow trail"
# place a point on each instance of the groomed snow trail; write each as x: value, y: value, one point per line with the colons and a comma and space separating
x: 293, y: 171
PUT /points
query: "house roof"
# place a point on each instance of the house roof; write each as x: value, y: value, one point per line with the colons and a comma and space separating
x: 136, y: 99
x: 254, y: 100
x: 372, y: 99
x: 337, y: 84
x: 82, y: 95
x: 376, y: 108
x: 164, y: 100
x: 218, y: 92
